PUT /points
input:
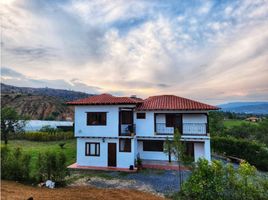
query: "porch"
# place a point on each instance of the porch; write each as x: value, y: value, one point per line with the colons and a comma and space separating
x: 75, y: 166
x: 162, y: 164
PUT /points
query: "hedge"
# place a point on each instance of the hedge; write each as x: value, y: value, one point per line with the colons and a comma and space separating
x: 15, y: 165
x: 43, y: 136
x: 251, y: 151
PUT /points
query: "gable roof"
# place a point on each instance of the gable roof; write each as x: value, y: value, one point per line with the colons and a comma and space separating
x: 105, y: 99
x: 171, y: 102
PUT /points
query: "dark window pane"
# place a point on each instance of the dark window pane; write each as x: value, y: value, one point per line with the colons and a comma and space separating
x: 96, y: 118
x: 127, y: 117
x: 141, y: 116
x: 170, y: 120
x: 125, y: 145
x: 153, y: 145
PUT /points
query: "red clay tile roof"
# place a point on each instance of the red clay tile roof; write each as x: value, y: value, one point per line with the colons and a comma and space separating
x: 105, y: 99
x: 171, y: 102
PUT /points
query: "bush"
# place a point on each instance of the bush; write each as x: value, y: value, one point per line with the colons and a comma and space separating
x: 52, y: 166
x: 15, y: 165
x: 216, y: 181
x: 253, y: 152
x: 44, y: 136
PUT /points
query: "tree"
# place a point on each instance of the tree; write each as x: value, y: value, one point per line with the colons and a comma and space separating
x: 168, y: 148
x: 177, y: 149
x: 10, y: 122
x: 216, y: 125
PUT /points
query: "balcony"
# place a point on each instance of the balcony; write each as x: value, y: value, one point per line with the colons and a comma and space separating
x: 187, y: 129
x: 127, y: 129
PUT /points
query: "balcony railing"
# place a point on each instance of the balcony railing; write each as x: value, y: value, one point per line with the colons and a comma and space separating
x: 187, y: 129
x: 127, y: 129
x: 194, y: 128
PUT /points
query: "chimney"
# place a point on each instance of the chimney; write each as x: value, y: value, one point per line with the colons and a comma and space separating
x: 134, y: 96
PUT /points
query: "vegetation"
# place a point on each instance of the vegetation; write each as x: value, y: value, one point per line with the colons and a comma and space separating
x: 219, y: 181
x: 245, y: 140
x: 51, y: 166
x: 10, y: 123
x: 176, y: 148
x: 36, y: 161
x: 43, y: 136
x: 253, y: 152
x: 15, y: 165
x: 34, y: 148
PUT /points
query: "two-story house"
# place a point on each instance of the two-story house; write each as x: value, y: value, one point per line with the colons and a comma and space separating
x: 111, y: 131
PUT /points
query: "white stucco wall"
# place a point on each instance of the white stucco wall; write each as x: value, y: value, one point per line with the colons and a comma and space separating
x: 202, y: 150
x: 111, y: 128
x: 151, y: 155
x: 145, y: 127
x: 123, y: 159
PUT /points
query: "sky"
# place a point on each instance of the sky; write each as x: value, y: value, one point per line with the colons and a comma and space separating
x: 210, y: 51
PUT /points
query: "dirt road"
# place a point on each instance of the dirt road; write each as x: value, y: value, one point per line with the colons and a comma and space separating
x: 16, y: 191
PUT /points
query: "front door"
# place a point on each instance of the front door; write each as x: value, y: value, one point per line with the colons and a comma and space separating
x: 112, y: 154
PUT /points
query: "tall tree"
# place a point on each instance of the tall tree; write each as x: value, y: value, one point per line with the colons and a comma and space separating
x: 216, y: 125
x: 176, y: 148
x: 10, y: 122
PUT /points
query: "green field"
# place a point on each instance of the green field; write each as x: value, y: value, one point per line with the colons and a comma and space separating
x: 34, y: 148
x: 235, y: 122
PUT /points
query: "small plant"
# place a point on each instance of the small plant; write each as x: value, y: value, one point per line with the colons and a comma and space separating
x: 139, y: 162
x: 62, y: 144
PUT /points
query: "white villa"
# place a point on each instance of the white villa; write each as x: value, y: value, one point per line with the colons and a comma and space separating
x: 112, y: 131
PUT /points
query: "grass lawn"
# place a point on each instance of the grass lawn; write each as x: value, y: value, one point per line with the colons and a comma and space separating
x: 235, y: 122
x: 34, y: 148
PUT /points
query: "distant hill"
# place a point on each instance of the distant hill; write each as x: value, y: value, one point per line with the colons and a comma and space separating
x: 40, y: 103
x: 65, y: 95
x: 246, y: 107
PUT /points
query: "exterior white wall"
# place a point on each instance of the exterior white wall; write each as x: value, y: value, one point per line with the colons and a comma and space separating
x: 151, y: 155
x: 145, y: 127
x: 123, y: 159
x: 112, y: 121
x: 202, y: 150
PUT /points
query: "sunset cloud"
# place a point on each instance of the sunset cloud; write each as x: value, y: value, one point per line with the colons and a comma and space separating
x: 206, y: 50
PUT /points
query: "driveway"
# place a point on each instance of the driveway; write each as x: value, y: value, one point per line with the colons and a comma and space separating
x: 159, y: 182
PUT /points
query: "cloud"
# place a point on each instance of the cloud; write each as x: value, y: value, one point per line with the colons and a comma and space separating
x: 13, y: 77
x: 207, y: 50
x: 6, y: 72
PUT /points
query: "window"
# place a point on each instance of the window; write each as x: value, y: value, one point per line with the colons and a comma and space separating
x: 125, y: 145
x: 153, y: 145
x: 170, y: 120
x: 141, y: 116
x: 96, y: 118
x: 127, y: 117
x: 92, y: 149
x: 173, y: 120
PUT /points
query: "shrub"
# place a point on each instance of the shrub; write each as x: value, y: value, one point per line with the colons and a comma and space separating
x: 253, y: 152
x: 44, y: 136
x: 216, y: 181
x: 15, y: 165
x: 51, y: 165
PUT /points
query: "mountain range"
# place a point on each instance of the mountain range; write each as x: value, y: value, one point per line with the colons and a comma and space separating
x: 40, y: 103
x: 48, y: 103
x: 245, y: 107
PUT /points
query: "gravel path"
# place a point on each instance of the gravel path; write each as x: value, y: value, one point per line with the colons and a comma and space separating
x: 159, y: 182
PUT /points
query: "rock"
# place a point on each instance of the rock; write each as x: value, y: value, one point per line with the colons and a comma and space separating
x: 50, y: 184
x: 30, y: 198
